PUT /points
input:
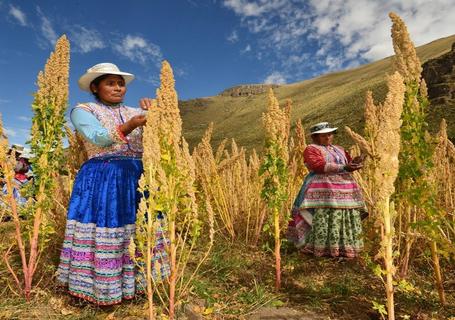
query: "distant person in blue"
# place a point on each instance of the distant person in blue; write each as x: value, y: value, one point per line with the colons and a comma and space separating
x: 95, y: 263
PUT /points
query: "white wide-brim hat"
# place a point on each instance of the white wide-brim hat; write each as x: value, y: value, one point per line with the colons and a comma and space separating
x: 101, y: 69
x: 322, y: 127
x: 26, y: 155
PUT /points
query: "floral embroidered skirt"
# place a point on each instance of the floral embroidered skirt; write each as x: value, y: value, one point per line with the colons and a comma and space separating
x: 95, y: 263
x: 327, y: 232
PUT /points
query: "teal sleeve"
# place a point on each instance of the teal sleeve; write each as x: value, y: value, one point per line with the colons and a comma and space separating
x: 90, y: 127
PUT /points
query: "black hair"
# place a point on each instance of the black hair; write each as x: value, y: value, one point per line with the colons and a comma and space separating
x: 96, y: 83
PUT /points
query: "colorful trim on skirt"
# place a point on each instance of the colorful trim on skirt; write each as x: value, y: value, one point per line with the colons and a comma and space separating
x: 95, y: 263
x: 330, y: 232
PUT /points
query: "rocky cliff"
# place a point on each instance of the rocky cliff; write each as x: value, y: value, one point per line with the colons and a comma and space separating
x: 439, y: 73
x: 247, y: 90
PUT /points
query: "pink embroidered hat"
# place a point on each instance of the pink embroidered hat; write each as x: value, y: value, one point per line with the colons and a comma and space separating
x: 322, y: 127
x: 99, y: 70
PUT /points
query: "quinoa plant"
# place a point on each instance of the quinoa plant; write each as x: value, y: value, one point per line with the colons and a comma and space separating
x: 49, y: 105
x: 169, y: 203
x: 416, y: 198
x: 382, y: 143
x: 275, y: 171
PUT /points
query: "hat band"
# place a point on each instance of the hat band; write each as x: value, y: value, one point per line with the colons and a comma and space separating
x: 320, y: 127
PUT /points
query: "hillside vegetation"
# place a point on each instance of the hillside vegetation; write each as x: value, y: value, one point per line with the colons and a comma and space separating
x: 336, y: 97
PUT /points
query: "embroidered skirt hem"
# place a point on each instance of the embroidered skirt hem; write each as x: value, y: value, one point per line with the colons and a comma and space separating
x: 330, y: 232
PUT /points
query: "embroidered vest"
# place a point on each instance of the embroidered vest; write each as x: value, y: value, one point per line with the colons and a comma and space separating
x: 111, y: 118
x: 336, y: 154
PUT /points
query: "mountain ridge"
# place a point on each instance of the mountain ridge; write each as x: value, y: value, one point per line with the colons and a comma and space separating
x: 336, y: 97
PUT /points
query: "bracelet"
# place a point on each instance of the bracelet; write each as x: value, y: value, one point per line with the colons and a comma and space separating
x: 121, y: 135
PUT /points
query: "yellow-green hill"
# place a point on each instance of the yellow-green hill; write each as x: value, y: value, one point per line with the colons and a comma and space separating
x: 335, y: 97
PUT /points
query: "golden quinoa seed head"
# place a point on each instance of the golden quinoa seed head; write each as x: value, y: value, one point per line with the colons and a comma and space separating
x: 384, y: 142
x: 164, y: 128
x: 406, y: 61
x: 287, y: 113
x: 3, y: 143
x: 423, y: 88
x: 53, y: 82
x: 361, y: 142
x: 297, y: 147
x: 167, y: 101
x: 371, y: 117
x: 300, y: 135
x: 388, y: 141
x: 52, y: 95
x: 445, y: 148
x: 150, y: 141
x: 441, y: 176
x: 275, y: 122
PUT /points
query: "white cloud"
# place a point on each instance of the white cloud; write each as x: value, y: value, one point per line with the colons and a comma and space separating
x: 18, y: 14
x: 253, y: 8
x: 333, y: 63
x: 154, y: 80
x: 247, y: 49
x: 86, y: 40
x: 336, y: 34
x: 180, y: 72
x: 25, y: 119
x: 10, y: 132
x: 138, y: 49
x: 25, y: 133
x: 275, y: 78
x: 233, y: 37
x: 47, y: 29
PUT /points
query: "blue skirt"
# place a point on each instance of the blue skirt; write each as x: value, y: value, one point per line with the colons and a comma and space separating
x: 105, y: 192
x: 95, y: 261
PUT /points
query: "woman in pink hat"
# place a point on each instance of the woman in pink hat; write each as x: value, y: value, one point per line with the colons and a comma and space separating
x: 326, y: 215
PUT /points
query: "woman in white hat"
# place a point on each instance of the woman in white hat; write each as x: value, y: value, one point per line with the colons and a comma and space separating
x: 326, y: 215
x: 95, y: 263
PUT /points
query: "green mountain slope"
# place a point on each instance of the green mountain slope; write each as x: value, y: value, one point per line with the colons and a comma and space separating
x: 335, y: 97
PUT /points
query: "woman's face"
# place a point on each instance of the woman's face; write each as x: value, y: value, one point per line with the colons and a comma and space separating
x: 323, y: 138
x: 111, y: 89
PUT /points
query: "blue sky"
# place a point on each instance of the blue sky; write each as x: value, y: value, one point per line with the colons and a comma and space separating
x: 211, y: 44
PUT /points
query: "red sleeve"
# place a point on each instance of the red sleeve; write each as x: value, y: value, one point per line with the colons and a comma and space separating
x: 314, y: 159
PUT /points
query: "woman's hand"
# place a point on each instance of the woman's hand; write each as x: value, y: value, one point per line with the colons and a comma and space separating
x: 359, y: 159
x: 147, y: 103
x: 138, y: 121
x: 351, y: 166
x: 133, y: 123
